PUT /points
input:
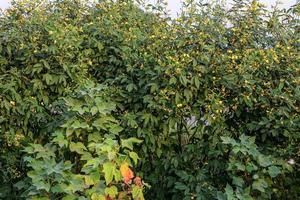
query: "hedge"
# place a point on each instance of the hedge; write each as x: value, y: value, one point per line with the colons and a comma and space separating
x: 117, y: 100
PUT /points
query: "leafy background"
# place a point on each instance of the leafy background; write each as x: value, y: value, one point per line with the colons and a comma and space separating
x: 115, y: 99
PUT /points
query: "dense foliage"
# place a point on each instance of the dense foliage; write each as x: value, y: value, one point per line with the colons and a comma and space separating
x: 116, y: 100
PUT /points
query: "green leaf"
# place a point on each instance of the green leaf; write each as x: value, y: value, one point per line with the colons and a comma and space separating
x: 48, y: 78
x: 240, y: 166
x: 94, y: 163
x: 180, y: 186
x: 221, y: 196
x: 92, y: 178
x: 134, y: 157
x: 228, y: 189
x: 104, y: 122
x: 264, y: 161
x: 177, y: 98
x: 183, y: 80
x: 128, y: 143
x: 228, y: 140
x: 238, y: 181
x: 100, y: 46
x: 109, y: 169
x: 57, y: 188
x: 76, y: 183
x: 260, y: 185
x: 40, y: 198
x: 115, y: 129
x: 69, y: 197
x: 281, y: 85
x: 77, y: 124
x: 46, y: 64
x: 173, y: 80
x: 41, y: 185
x: 274, y: 171
x: 197, y: 82
x: 60, y: 139
x: 229, y: 192
x: 94, y: 110
x: 77, y: 147
x: 130, y: 87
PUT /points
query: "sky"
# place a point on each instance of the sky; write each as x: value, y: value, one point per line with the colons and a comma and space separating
x: 174, y: 5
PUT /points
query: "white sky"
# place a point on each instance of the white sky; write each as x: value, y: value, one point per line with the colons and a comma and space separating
x: 4, y: 3
x: 174, y: 5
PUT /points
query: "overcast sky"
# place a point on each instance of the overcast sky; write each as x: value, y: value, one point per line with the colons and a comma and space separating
x: 174, y: 5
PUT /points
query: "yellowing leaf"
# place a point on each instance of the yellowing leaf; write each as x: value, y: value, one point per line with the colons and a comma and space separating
x: 137, y: 193
x: 96, y: 196
x: 126, y: 172
x: 111, y: 191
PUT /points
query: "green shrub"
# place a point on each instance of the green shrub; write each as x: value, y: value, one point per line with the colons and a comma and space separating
x: 196, y: 89
x: 41, y: 60
x: 87, y: 157
x: 251, y: 171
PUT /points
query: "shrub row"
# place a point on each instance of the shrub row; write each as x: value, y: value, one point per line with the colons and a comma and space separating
x: 101, y: 100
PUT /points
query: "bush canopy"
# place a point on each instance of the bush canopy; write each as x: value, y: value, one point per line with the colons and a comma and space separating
x: 114, y: 99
